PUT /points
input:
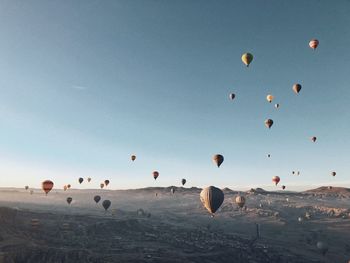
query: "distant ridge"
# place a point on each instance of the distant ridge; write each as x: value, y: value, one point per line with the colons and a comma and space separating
x: 330, y: 190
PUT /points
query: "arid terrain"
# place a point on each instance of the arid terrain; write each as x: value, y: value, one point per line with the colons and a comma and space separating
x: 142, y: 227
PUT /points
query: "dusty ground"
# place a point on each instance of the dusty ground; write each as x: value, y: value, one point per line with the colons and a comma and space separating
x: 173, y: 228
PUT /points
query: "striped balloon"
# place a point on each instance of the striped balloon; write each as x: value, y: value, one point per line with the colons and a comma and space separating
x: 313, y: 43
x: 47, y: 186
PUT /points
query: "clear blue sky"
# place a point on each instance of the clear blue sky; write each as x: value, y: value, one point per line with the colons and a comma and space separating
x: 85, y: 84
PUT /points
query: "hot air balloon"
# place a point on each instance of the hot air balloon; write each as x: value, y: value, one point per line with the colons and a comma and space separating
x: 80, y: 180
x: 211, y: 198
x: 69, y: 200
x: 218, y: 159
x: 247, y: 58
x: 277, y: 105
x: 313, y: 43
x: 268, y: 123
x: 276, y: 179
x: 270, y: 98
x: 240, y: 201
x: 102, y: 185
x: 293, y: 172
x: 334, y: 174
x: 296, y: 88
x: 172, y: 190
x: 106, y: 204
x: 106, y: 182
x: 155, y: 174
x: 322, y: 247
x: 283, y: 187
x: 89, y: 179
x: 268, y: 155
x: 65, y: 188
x: 183, y: 181
x: 47, y: 186
x: 232, y: 96
x: 313, y: 139
x: 26, y: 187
x: 97, y: 198
x: 68, y: 186
x: 133, y: 157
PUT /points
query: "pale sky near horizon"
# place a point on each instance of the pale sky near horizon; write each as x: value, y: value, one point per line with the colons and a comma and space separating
x: 85, y: 84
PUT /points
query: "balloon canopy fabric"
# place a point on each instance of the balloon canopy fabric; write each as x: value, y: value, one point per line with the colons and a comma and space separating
x: 47, y: 186
x: 276, y: 179
x: 313, y: 43
x: 247, y: 58
x: 296, y: 88
x: 212, y: 198
x: 240, y: 200
x: 106, y: 204
x: 218, y: 159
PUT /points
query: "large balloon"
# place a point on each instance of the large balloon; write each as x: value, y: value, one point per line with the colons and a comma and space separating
x: 80, y: 180
x: 313, y: 139
x: 155, y: 174
x: 276, y: 179
x: 218, y: 159
x: 232, y: 96
x: 89, y: 179
x: 270, y: 98
x: 313, y: 43
x: 268, y: 123
x: 97, y: 198
x: 106, y: 204
x: 240, y: 201
x: 47, y: 186
x: 69, y: 200
x: 296, y: 88
x: 106, y: 182
x: 212, y: 198
x: 268, y: 155
x: 334, y: 174
x: 133, y: 157
x: 102, y: 185
x: 183, y: 181
x: 247, y: 58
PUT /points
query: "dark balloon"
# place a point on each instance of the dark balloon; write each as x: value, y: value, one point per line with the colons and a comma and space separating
x: 218, y: 159
x: 97, y: 198
x: 268, y: 123
x: 212, y: 198
x: 106, y: 204
x: 313, y: 139
x: 283, y: 187
x: 155, y: 175
x: 69, y: 200
x: 183, y: 181
x: 47, y: 186
x: 296, y: 88
x: 80, y: 180
x: 106, y: 182
x: 232, y: 96
x: 334, y: 174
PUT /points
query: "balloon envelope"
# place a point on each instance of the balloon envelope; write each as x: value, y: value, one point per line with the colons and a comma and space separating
x: 313, y: 43
x: 106, y: 204
x: 218, y: 159
x: 106, y: 182
x: 276, y: 179
x: 80, y: 180
x: 97, y: 198
x: 183, y: 181
x: 247, y: 58
x: 240, y: 201
x: 211, y: 198
x: 296, y: 88
x: 102, y: 185
x: 155, y: 174
x: 69, y: 200
x: 47, y: 185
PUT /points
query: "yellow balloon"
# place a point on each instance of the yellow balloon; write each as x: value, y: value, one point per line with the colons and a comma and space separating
x: 247, y: 58
x: 270, y: 98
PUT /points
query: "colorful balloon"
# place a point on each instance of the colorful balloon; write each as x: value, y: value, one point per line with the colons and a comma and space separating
x: 270, y: 98
x: 276, y: 179
x: 232, y: 96
x: 247, y: 58
x: 296, y: 88
x: 314, y: 44
x: 47, y: 185
x: 183, y: 181
x: 80, y: 180
x: 97, y: 198
x: 155, y: 174
x: 133, y: 157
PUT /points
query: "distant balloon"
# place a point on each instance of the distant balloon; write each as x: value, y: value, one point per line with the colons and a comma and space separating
x: 322, y: 247
x: 68, y: 186
x: 155, y: 174
x: 334, y: 174
x: 172, y: 190
x: 69, y: 200
x: 80, y: 180
x: 313, y: 44
x: 283, y: 187
x: 106, y: 182
x: 232, y: 96
x: 313, y: 139
x: 270, y: 98
x: 65, y: 188
x: 89, y: 179
x: 268, y: 155
x: 296, y: 88
x: 183, y: 181
x: 276, y: 179
x: 102, y: 185
x: 97, y: 198
x: 293, y: 172
x: 247, y: 58
x: 277, y: 105
x: 106, y: 204
x: 211, y: 198
x: 26, y: 187
x: 47, y: 186
x: 268, y: 123
x: 240, y: 201
x: 218, y: 159
x: 133, y: 157
x: 156, y: 194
